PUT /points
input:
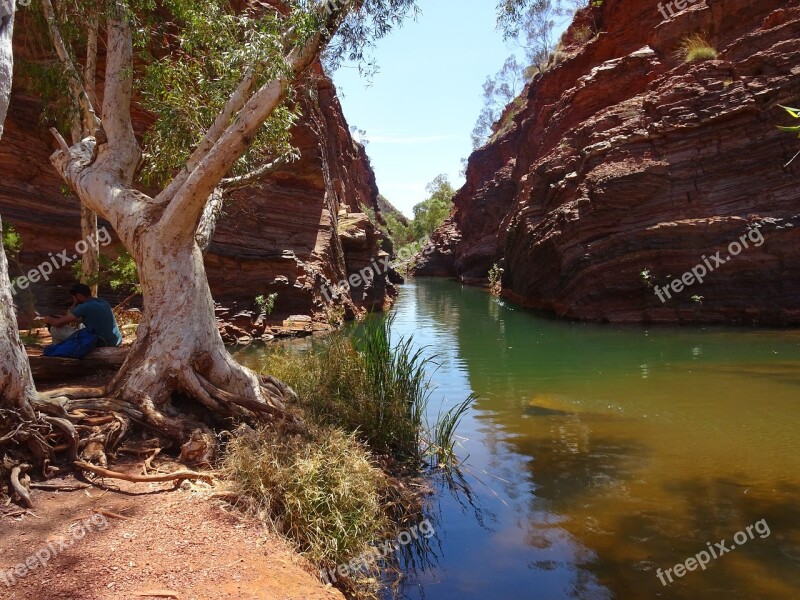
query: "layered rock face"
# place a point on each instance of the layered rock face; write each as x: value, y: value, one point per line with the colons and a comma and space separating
x: 281, y: 236
x: 626, y: 168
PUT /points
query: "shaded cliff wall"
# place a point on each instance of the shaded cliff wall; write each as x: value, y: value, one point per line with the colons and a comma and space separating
x: 625, y: 166
x: 281, y: 235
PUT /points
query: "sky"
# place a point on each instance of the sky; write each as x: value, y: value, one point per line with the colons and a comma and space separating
x: 419, y: 109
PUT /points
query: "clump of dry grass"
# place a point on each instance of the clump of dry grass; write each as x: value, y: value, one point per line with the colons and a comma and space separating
x: 696, y: 47
x: 319, y: 489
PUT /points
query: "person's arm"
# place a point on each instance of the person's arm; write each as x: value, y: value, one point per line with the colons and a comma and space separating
x: 60, y: 321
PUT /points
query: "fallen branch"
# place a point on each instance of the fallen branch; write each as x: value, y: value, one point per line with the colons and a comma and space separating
x: 184, y: 474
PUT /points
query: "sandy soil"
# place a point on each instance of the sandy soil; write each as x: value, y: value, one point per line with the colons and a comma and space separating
x: 174, y: 544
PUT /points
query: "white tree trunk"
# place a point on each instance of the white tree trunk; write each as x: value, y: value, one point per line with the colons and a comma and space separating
x: 178, y: 347
x: 16, y: 382
x: 6, y: 57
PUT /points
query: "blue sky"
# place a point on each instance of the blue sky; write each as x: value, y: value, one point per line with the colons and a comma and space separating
x: 421, y: 106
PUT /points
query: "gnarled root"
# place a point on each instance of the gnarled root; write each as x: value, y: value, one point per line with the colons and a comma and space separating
x: 158, y: 478
x: 16, y: 485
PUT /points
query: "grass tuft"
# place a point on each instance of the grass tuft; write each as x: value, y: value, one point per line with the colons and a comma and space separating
x: 364, y: 383
x: 696, y: 47
x: 319, y: 489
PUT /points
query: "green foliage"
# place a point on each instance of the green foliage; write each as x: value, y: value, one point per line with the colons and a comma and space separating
x: 795, y: 113
x: 371, y: 385
x: 428, y: 215
x: 266, y: 304
x: 362, y: 383
x: 187, y: 88
x: 399, y: 232
x: 431, y: 213
x: 118, y: 273
x: 498, y: 92
x: 512, y: 14
x: 12, y: 242
x: 698, y: 299
x: 443, y: 434
x: 531, y: 24
x: 647, y: 277
x: 191, y: 56
x: 696, y: 47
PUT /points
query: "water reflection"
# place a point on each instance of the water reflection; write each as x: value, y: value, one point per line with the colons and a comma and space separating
x: 599, y: 454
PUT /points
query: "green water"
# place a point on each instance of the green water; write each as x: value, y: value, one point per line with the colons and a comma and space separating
x: 598, y: 454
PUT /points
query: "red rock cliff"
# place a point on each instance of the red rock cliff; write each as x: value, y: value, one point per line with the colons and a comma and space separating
x: 626, y: 166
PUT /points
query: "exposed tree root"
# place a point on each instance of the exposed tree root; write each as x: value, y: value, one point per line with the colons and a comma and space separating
x: 272, y: 407
x: 60, y: 487
x: 69, y: 431
x: 183, y: 407
x: 110, y: 514
x: 17, y: 486
x: 160, y: 478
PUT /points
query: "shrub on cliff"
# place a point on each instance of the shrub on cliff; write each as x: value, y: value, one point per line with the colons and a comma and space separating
x: 696, y: 47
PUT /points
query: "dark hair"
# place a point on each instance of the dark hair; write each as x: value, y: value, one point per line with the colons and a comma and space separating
x: 80, y: 288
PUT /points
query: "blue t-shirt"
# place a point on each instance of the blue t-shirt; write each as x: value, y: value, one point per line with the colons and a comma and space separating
x: 97, y: 315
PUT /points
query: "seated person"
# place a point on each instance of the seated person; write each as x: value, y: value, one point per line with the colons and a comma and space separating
x: 94, y: 313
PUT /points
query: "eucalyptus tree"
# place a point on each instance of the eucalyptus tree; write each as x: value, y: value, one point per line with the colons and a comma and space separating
x: 220, y: 84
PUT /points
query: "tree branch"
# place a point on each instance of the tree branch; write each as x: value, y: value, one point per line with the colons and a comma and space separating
x: 235, y: 103
x: 122, y: 145
x: 190, y: 199
x: 79, y: 95
x: 90, y: 69
x: 231, y: 184
x: 208, y: 222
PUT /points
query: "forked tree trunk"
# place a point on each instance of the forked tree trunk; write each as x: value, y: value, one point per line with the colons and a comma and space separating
x: 179, y: 349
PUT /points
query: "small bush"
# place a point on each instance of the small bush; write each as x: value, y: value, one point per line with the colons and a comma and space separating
x: 12, y: 242
x: 266, y: 304
x: 696, y: 47
x: 319, y: 489
x: 496, y: 280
